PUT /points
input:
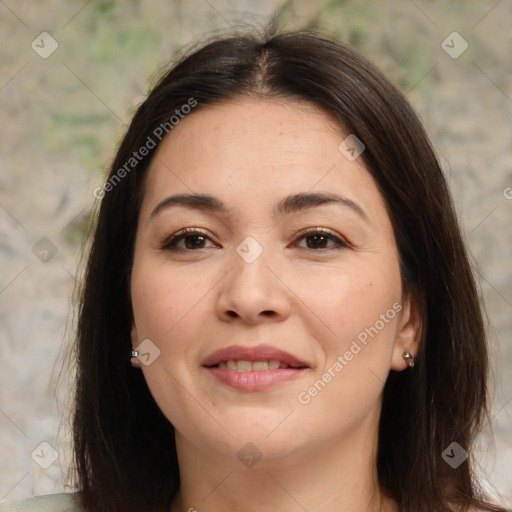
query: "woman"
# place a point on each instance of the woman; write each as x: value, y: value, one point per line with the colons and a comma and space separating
x: 277, y: 251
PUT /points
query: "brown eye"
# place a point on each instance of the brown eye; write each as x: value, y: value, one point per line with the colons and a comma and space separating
x: 318, y: 240
x: 190, y: 240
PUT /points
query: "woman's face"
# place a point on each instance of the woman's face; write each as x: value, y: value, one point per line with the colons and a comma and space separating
x: 276, y: 318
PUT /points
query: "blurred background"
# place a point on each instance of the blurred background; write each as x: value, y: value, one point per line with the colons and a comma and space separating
x: 71, y: 75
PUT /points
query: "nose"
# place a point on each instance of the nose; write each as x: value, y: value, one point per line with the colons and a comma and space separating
x: 253, y: 293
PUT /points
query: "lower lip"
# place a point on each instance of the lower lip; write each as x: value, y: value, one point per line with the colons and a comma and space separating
x: 255, y: 381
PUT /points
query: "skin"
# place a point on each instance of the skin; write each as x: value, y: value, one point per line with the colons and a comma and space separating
x: 312, y: 303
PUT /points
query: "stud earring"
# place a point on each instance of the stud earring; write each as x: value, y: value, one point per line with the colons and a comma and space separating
x: 409, y: 358
x: 135, y: 358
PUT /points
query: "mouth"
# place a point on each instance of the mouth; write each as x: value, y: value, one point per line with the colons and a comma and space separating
x: 253, y: 368
x: 252, y: 359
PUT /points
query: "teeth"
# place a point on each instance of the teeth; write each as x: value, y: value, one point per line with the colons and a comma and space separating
x: 252, y: 366
x: 244, y: 366
x: 259, y: 366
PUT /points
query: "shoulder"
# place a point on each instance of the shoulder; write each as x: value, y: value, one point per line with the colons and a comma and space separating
x: 65, y: 502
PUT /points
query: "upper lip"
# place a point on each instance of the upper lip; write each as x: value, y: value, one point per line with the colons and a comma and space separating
x: 257, y: 353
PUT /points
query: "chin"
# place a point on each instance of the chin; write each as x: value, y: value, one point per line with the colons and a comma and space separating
x: 266, y: 441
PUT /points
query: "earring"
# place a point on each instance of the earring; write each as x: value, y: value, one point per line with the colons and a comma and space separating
x: 409, y: 358
x: 135, y: 358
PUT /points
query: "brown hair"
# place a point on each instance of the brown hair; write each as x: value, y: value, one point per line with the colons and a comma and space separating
x: 124, y: 446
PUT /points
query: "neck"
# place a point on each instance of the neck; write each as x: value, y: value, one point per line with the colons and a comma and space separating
x: 340, y: 475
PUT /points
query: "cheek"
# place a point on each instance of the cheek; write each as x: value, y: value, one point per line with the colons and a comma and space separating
x: 361, y: 309
x: 362, y: 314
x: 350, y: 300
x: 173, y: 308
x: 167, y: 306
x: 164, y: 300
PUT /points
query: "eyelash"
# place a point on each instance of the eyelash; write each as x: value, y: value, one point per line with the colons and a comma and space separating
x: 168, y: 242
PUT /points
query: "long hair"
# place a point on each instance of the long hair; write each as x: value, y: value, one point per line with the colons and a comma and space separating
x: 124, y: 447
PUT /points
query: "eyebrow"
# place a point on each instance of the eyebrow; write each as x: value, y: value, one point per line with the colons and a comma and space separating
x: 291, y: 204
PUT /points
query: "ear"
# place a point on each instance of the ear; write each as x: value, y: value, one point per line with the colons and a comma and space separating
x: 409, y: 333
x: 135, y: 361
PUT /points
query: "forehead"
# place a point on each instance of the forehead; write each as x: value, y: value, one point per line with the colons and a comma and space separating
x: 256, y: 150
x: 253, y: 125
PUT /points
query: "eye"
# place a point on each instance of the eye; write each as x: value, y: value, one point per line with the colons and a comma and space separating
x: 191, y: 238
x: 319, y: 237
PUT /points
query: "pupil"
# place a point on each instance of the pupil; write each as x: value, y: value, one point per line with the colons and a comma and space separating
x: 195, y: 237
x: 318, y: 239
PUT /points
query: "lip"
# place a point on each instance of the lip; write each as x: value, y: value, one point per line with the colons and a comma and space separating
x: 257, y: 353
x: 253, y: 381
